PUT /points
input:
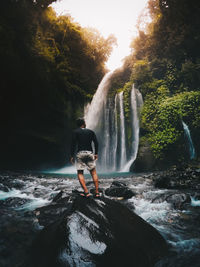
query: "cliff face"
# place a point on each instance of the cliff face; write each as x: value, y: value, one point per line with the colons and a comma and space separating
x: 51, y: 66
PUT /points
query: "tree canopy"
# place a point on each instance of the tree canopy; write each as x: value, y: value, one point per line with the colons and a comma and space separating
x: 51, y: 66
x: 164, y: 65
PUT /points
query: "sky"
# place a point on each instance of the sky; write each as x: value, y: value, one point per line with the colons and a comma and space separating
x: 118, y: 17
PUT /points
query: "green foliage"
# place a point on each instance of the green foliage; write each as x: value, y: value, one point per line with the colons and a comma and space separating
x: 127, y: 91
x: 165, y: 64
x: 161, y: 118
x: 50, y: 67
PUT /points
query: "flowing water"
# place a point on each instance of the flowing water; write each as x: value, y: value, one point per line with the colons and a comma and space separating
x: 136, y: 104
x: 122, y: 132
x: 106, y: 116
x: 189, y: 140
x: 179, y: 226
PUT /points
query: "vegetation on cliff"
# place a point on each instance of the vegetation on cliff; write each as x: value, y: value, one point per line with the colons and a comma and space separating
x: 50, y: 67
x: 164, y: 66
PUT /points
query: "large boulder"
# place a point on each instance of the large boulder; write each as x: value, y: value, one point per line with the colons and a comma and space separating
x: 119, y: 189
x: 95, y: 232
x: 145, y: 160
x: 176, y: 179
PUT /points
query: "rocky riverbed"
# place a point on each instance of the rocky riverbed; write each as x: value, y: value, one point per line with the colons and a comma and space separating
x: 44, y: 221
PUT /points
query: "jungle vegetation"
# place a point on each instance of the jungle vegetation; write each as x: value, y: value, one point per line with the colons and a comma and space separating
x: 50, y: 66
x: 165, y: 66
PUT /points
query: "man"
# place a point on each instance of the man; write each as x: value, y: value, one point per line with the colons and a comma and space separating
x: 82, y: 140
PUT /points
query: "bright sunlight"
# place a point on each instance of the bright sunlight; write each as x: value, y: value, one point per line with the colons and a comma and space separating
x: 118, y: 17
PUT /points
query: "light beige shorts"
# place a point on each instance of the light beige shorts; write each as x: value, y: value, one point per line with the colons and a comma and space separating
x: 85, y: 159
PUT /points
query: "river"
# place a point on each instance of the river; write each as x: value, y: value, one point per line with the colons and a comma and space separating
x: 174, y: 213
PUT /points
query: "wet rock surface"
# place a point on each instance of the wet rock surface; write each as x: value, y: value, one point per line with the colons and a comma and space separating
x: 188, y: 178
x: 45, y: 222
x: 13, y: 202
x: 119, y: 189
x: 96, y: 233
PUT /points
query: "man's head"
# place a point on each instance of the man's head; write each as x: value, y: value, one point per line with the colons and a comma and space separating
x: 80, y: 122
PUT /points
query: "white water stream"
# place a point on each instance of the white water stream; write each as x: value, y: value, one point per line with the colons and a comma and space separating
x: 180, y: 227
x: 189, y: 138
x: 106, y: 116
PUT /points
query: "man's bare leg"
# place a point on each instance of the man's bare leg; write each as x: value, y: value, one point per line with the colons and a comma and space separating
x: 95, y: 180
x: 82, y: 181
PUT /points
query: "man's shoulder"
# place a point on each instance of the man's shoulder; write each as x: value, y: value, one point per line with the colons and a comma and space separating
x: 89, y: 131
x: 83, y: 130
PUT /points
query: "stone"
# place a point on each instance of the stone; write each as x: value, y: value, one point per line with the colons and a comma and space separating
x: 4, y: 188
x: 145, y: 160
x: 119, y: 189
x: 96, y: 233
x: 13, y: 202
x: 58, y: 196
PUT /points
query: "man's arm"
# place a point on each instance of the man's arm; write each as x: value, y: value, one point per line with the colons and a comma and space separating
x: 96, y: 146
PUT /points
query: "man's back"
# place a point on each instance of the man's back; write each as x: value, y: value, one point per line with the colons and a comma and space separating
x: 83, y: 138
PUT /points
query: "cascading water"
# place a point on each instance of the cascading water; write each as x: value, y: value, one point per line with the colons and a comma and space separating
x: 122, y: 132
x: 136, y: 102
x: 106, y: 116
x: 189, y: 138
x: 99, y: 116
x: 94, y: 111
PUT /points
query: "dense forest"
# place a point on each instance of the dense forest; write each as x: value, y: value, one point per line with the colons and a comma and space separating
x: 51, y: 67
x: 165, y: 66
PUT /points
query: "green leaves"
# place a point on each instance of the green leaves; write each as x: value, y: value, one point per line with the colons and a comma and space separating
x: 161, y: 118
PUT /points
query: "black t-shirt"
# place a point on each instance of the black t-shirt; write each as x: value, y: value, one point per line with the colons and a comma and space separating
x: 82, y: 138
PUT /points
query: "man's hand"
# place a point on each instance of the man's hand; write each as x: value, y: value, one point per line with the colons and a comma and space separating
x: 96, y: 157
x: 72, y: 160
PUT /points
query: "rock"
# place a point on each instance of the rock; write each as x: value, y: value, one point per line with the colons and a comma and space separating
x: 173, y: 179
x: 16, y: 235
x: 145, y: 160
x: 13, y: 202
x: 58, y: 196
x: 119, y: 189
x: 96, y: 233
x: 178, y: 200
x: 119, y: 184
x: 49, y: 214
x: 4, y: 188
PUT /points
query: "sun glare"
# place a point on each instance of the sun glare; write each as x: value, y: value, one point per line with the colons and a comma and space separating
x: 118, y: 17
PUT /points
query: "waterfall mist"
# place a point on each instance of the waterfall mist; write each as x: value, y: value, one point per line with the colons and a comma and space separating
x: 118, y: 137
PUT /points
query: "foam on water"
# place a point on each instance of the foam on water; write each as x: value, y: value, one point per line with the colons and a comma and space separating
x: 195, y: 202
x: 152, y: 212
x: 187, y: 245
x: 12, y: 193
x: 33, y: 204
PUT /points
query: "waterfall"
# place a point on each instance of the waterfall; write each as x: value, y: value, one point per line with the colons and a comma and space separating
x: 115, y: 139
x: 99, y: 116
x: 136, y: 102
x: 94, y: 111
x: 106, y: 116
x: 122, y: 132
x: 190, y: 143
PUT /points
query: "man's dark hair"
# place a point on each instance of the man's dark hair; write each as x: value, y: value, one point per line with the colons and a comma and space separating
x: 80, y: 122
